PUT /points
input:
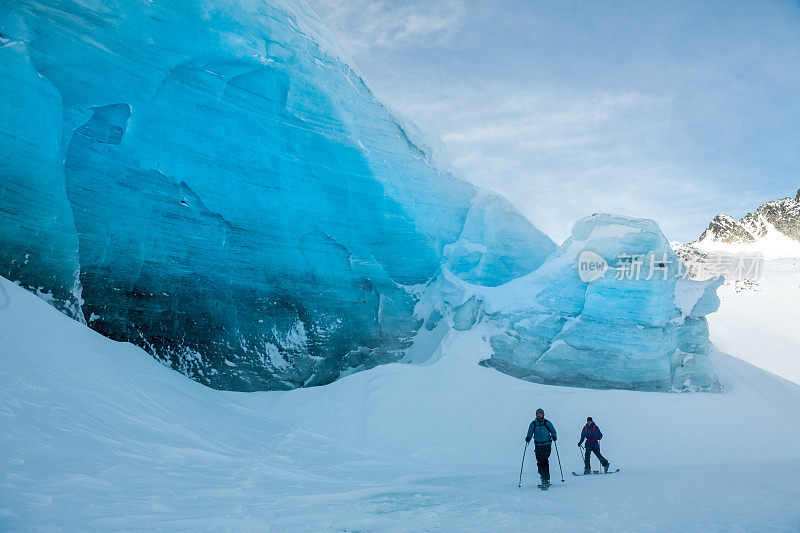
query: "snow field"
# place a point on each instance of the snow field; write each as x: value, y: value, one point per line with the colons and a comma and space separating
x: 96, y: 434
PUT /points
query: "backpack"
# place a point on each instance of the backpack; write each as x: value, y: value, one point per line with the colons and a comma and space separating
x: 543, y: 424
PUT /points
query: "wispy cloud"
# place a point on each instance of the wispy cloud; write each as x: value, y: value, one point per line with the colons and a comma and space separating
x: 558, y: 155
x: 672, y: 112
x: 363, y: 25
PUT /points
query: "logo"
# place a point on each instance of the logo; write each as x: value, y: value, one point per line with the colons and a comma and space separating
x: 591, y: 266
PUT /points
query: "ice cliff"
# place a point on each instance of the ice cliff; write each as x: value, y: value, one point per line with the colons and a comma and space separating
x: 212, y: 181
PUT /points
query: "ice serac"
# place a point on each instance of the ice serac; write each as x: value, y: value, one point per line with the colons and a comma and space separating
x: 212, y: 181
x: 639, y: 325
x: 496, y: 244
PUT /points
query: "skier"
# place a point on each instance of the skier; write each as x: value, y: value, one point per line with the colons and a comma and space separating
x: 591, y: 433
x: 543, y: 434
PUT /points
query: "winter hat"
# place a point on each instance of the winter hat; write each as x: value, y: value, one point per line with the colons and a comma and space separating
x: 540, y: 410
x: 589, y: 419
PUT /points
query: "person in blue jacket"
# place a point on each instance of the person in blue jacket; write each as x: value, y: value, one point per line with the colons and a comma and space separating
x: 592, y: 434
x: 543, y: 434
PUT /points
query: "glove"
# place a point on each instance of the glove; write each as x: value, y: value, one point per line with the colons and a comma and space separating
x: 527, y: 439
x: 579, y: 444
x: 554, y: 439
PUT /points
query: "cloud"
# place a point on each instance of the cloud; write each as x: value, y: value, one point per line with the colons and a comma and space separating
x: 562, y: 155
x: 546, y: 121
x: 363, y: 25
x: 673, y: 113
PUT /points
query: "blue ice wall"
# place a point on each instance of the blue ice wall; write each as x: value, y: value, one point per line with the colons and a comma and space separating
x: 38, y: 241
x: 213, y: 182
x: 638, y: 323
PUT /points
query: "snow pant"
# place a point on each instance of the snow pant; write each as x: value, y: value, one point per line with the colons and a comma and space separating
x: 543, y: 460
x: 588, y: 455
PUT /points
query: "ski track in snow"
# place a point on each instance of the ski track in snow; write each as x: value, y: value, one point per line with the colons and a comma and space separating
x: 95, y: 434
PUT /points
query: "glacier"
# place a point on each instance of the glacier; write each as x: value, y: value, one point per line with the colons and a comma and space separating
x: 632, y: 327
x: 216, y: 183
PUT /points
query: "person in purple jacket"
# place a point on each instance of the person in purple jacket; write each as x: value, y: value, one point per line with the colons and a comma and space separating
x: 592, y: 434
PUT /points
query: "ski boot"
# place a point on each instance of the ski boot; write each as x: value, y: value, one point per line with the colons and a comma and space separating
x: 605, y: 467
x: 586, y: 471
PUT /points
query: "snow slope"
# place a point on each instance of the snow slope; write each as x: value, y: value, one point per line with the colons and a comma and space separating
x: 96, y: 434
x: 757, y: 321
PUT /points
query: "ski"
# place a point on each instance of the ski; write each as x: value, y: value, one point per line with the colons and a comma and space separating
x: 597, y: 472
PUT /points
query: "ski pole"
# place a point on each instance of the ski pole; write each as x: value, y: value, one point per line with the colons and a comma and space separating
x: 581, y: 452
x: 559, y: 462
x: 523, y: 464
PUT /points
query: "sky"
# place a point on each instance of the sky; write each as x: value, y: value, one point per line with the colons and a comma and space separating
x: 674, y: 111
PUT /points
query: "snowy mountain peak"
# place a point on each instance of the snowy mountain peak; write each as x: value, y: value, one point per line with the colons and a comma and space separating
x: 724, y: 228
x: 773, y: 230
